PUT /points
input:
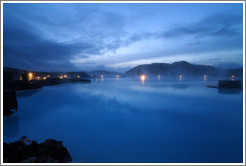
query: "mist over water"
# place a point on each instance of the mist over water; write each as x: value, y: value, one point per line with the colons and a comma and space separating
x: 133, y: 121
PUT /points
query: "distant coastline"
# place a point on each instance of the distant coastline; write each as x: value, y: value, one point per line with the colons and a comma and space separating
x: 175, y: 69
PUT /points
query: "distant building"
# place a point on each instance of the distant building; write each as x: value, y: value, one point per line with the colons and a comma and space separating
x: 24, y: 77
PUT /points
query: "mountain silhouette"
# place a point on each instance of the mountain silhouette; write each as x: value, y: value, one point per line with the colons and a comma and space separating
x: 180, y: 68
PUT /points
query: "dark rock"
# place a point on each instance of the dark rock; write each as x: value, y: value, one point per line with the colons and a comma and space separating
x: 230, y: 84
x: 55, y: 150
x: 9, y: 102
x: 30, y: 160
x: 27, y: 151
x: 25, y: 141
x: 46, y: 159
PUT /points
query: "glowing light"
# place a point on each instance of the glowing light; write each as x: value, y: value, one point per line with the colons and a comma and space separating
x: 45, y: 78
x: 159, y: 77
x: 78, y: 76
x: 232, y: 77
x: 65, y: 76
x: 61, y: 77
x: 48, y: 76
x: 142, y: 78
x: 205, y: 77
x: 180, y: 77
x: 102, y: 78
x: 30, y: 76
x: 38, y: 78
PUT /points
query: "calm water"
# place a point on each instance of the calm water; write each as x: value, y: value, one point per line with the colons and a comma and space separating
x: 126, y: 121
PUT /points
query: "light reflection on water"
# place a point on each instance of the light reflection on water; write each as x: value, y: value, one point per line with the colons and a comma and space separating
x: 127, y: 121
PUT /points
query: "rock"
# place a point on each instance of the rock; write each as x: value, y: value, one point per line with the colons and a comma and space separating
x: 56, y: 150
x: 30, y: 160
x: 27, y: 151
x: 236, y: 84
x: 9, y: 102
x: 25, y: 141
x: 46, y: 159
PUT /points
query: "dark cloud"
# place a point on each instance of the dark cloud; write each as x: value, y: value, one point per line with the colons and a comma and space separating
x: 213, y: 25
x: 23, y: 45
x: 26, y: 46
x: 137, y: 37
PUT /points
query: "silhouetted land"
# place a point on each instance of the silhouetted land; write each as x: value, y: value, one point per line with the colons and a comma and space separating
x: 12, y: 80
x: 184, y: 68
x: 9, y: 102
x: 168, y: 70
x: 27, y: 151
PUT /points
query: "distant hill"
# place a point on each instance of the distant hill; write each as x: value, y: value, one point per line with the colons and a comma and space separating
x: 105, y: 73
x: 236, y: 72
x: 181, y: 68
x: 170, y: 70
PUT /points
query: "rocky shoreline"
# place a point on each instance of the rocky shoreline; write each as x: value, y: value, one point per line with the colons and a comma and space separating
x: 28, y: 151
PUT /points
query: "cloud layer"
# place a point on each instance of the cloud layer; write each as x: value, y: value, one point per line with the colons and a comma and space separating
x: 55, y: 37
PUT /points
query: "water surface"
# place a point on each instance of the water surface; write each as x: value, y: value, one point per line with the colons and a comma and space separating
x: 128, y: 121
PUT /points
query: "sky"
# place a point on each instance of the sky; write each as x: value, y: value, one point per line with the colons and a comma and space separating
x: 119, y: 36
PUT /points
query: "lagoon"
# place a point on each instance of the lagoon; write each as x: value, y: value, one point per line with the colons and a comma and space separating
x: 129, y: 121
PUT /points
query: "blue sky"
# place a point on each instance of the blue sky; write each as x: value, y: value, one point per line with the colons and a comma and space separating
x: 79, y: 36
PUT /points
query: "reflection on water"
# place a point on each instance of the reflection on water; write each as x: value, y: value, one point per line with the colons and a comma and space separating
x: 117, y: 77
x: 126, y: 121
x: 102, y: 78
